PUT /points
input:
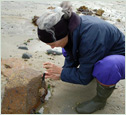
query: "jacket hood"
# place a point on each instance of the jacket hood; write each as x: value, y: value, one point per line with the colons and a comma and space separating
x: 74, y: 21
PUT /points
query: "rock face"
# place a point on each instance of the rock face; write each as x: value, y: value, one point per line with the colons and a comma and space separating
x: 8, y: 66
x: 21, y: 93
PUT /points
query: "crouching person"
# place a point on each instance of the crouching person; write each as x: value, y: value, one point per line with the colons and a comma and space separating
x: 92, y: 48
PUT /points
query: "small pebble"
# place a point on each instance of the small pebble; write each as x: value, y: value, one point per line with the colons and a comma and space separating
x: 54, y: 52
x: 26, y: 56
x: 118, y: 20
x: 25, y: 43
x: 23, y: 47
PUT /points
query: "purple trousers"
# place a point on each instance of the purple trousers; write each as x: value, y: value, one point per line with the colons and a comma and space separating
x: 110, y: 69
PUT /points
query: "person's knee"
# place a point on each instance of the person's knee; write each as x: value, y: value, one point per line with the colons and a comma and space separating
x: 102, y: 66
x: 110, y: 69
x: 112, y: 62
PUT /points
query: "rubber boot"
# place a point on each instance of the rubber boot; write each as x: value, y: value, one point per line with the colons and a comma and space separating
x: 98, y: 102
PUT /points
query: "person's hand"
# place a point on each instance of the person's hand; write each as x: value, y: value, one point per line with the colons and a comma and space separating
x: 52, y: 71
x: 52, y: 76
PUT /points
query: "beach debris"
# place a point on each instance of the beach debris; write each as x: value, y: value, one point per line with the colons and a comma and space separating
x: 23, y: 47
x: 51, y: 7
x: 49, y: 86
x: 51, y: 58
x: 29, y: 40
x: 118, y: 20
x: 53, y: 52
x: 25, y: 43
x: 99, y: 12
x: 34, y: 19
x: 84, y: 10
x: 26, y: 56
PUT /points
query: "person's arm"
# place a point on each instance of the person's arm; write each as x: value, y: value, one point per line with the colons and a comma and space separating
x: 69, y: 62
x: 83, y: 74
x: 90, y: 51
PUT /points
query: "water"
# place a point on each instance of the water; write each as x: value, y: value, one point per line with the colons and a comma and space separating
x: 42, y: 109
x: 48, y: 95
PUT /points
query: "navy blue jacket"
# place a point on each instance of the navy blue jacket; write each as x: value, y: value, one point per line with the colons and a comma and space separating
x: 92, y: 40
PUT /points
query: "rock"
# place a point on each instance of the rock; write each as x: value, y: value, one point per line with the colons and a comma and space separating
x: 41, y: 92
x: 8, y: 66
x: 53, y: 52
x: 99, y: 12
x: 22, y: 92
x: 26, y: 56
x: 3, y: 83
x: 23, y: 47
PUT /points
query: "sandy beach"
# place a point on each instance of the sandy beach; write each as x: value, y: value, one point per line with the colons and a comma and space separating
x: 17, y: 29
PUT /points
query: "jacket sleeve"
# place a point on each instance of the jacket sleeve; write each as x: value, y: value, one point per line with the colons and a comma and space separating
x: 91, y: 49
x: 69, y: 62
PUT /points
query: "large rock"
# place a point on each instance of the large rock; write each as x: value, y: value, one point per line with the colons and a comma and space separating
x: 21, y: 92
x: 8, y: 66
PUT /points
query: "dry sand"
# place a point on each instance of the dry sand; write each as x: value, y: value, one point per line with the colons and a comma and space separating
x: 16, y: 28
